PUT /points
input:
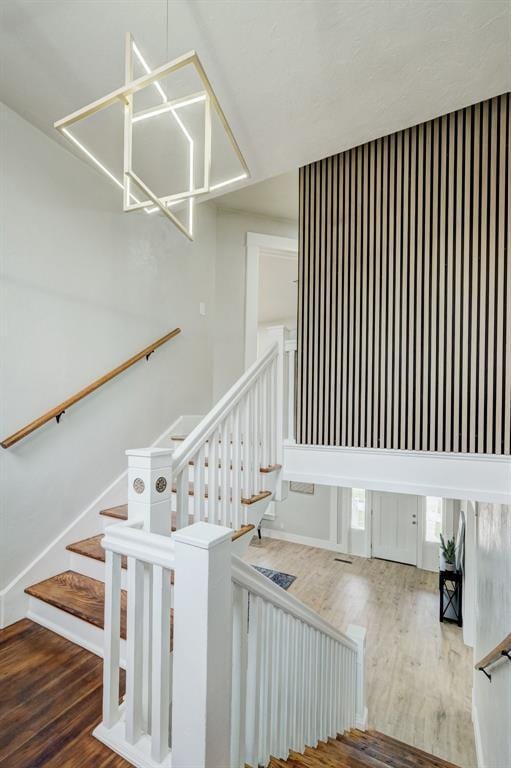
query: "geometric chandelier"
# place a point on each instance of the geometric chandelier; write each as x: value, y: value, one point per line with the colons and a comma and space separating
x: 136, y: 193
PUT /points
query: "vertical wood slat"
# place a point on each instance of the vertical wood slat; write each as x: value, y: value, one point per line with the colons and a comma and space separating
x: 404, y: 334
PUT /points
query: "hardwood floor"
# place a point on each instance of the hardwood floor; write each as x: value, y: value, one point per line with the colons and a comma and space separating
x: 419, y: 672
x: 50, y: 702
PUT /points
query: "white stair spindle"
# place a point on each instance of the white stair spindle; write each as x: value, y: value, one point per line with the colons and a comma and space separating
x: 134, y: 668
x: 265, y: 420
x: 225, y: 487
x: 182, y: 499
x: 236, y: 470
x: 213, y: 459
x: 111, y: 711
x: 239, y: 676
x: 254, y: 680
x: 247, y: 457
x: 161, y: 669
x: 199, y: 489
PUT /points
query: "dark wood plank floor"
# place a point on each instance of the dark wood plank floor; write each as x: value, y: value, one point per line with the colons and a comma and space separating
x: 50, y: 702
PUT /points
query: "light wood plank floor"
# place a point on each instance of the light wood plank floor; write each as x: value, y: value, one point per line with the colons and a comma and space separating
x: 419, y: 672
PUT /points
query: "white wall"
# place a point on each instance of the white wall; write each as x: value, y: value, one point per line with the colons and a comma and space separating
x: 85, y: 286
x: 303, y: 515
x: 229, y: 348
x: 492, y: 701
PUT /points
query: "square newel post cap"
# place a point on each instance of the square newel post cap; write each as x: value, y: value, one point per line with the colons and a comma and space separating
x: 202, y: 535
x: 150, y: 458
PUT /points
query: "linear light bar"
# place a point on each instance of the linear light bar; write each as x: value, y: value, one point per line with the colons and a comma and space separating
x: 178, y: 120
x: 168, y: 108
x: 228, y: 181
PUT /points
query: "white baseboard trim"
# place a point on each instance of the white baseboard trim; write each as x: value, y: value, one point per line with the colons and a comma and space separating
x: 138, y: 754
x: 361, y: 723
x: 55, y: 558
x: 71, y: 628
x: 477, y: 735
x: 295, y: 538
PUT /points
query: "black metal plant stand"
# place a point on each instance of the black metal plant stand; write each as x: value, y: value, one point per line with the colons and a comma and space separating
x: 451, y: 587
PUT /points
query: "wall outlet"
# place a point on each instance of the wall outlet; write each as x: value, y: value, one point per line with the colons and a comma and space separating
x: 202, y: 309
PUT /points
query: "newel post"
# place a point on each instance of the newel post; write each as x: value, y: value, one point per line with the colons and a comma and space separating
x: 150, y: 488
x: 201, y: 697
x: 358, y: 635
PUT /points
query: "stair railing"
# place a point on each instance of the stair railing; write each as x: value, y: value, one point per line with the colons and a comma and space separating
x: 241, y: 434
x: 296, y: 680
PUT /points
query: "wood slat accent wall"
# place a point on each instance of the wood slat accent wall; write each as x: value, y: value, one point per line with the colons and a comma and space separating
x: 404, y: 309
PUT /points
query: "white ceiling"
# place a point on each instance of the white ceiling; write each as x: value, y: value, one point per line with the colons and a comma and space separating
x: 298, y: 79
x: 276, y: 197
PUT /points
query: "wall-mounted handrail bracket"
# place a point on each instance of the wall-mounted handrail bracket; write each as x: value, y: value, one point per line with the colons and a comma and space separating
x: 488, y: 674
x: 149, y: 354
x: 502, y: 649
x: 59, y: 416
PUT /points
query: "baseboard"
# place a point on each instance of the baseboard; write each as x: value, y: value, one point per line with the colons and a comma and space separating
x: 361, y: 723
x: 55, y: 558
x: 477, y: 735
x: 138, y: 754
x: 295, y: 538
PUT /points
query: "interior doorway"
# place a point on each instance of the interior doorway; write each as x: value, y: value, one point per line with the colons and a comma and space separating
x: 394, y: 527
x: 271, y: 288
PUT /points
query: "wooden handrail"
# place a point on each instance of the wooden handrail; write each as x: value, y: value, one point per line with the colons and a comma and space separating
x: 500, y: 650
x: 57, y: 412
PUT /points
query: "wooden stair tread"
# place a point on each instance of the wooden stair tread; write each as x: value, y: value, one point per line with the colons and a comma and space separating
x: 92, y: 548
x: 361, y: 749
x: 246, y: 502
x: 78, y: 595
x: 264, y: 470
x: 120, y: 512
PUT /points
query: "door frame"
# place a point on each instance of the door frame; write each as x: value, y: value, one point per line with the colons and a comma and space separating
x: 255, y: 243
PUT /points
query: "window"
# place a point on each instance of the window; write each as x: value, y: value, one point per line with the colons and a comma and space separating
x: 433, y: 518
x: 358, y: 508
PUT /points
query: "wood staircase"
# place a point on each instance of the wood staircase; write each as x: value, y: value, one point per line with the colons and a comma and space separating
x: 361, y: 749
x: 79, y: 591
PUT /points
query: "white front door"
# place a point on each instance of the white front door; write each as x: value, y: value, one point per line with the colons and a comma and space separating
x: 394, y: 527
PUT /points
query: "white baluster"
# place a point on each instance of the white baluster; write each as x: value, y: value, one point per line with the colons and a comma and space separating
x: 265, y: 419
x: 239, y: 676
x: 225, y: 489
x: 213, y: 459
x: 358, y: 635
x: 134, y: 642
x: 236, y: 470
x: 254, y: 680
x: 161, y: 669
x: 202, y: 664
x: 111, y: 711
x: 256, y: 438
x: 247, y: 452
x: 199, y: 508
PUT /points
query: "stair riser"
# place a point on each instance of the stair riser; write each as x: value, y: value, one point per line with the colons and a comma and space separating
x: 94, y: 569
x: 77, y: 631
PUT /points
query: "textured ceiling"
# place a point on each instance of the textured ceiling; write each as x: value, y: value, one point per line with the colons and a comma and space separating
x: 298, y: 80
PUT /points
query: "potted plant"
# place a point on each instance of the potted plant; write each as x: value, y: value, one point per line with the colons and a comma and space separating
x: 448, y: 553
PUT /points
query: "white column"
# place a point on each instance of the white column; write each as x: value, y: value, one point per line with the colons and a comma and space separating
x: 201, y: 698
x: 358, y: 635
x: 150, y: 488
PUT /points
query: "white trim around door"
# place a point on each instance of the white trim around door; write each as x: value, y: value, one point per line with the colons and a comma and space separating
x: 256, y: 243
